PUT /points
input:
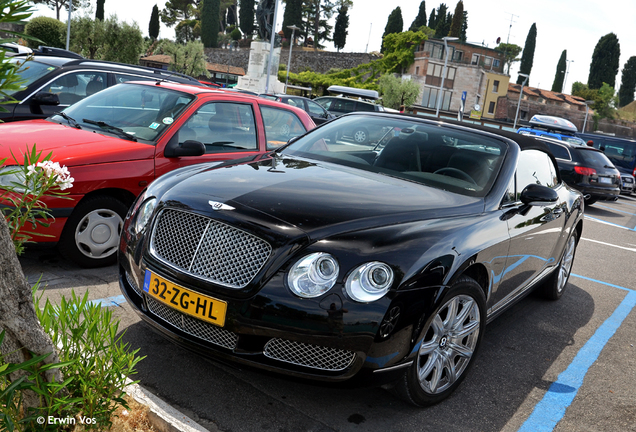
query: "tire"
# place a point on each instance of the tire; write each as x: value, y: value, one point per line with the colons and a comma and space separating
x: 446, y: 346
x: 554, y: 286
x: 360, y: 136
x: 590, y: 201
x: 91, y: 235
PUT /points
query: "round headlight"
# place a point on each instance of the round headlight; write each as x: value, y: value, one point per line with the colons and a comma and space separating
x: 313, y: 275
x: 369, y: 282
x: 144, y: 213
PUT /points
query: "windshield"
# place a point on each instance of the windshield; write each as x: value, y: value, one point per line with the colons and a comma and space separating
x: 442, y: 157
x: 30, y: 71
x: 142, y: 111
x: 573, y: 140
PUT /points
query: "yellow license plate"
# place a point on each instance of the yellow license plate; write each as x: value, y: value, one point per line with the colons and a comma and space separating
x: 182, y: 299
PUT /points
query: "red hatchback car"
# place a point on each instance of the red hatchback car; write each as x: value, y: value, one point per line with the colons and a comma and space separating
x: 117, y: 141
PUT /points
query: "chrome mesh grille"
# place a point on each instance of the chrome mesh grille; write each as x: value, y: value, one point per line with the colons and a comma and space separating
x: 133, y: 284
x: 193, y: 326
x: 313, y: 356
x: 208, y: 249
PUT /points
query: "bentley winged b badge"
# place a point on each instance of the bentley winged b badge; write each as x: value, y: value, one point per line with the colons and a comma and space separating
x: 219, y: 206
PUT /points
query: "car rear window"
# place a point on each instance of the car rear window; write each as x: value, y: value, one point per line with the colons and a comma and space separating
x: 30, y: 71
x: 594, y: 157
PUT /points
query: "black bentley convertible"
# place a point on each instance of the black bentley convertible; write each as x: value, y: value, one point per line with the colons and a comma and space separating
x: 338, y: 262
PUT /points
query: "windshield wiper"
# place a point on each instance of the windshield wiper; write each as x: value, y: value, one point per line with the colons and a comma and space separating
x: 110, y: 128
x: 71, y: 121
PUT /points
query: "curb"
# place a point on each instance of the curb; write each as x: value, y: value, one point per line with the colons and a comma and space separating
x: 164, y: 418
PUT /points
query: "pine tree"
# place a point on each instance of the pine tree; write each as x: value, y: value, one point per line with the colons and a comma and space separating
x: 340, y: 33
x: 527, y: 58
x: 293, y: 16
x: 458, y: 20
x: 462, y: 34
x: 99, y: 13
x: 420, y: 19
x: 246, y: 17
x: 628, y: 83
x: 559, y: 77
x: 153, y: 26
x: 210, y: 22
x: 604, y: 66
x: 394, y: 23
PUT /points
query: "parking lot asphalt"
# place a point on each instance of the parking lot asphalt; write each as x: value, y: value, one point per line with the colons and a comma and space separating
x: 563, y: 366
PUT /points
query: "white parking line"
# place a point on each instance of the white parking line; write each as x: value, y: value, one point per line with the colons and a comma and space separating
x: 608, y: 223
x: 609, y: 244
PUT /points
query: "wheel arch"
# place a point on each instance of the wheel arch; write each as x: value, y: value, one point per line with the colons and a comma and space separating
x: 122, y: 195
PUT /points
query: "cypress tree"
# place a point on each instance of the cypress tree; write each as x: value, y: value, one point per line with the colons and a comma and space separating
x: 99, y: 13
x: 293, y: 16
x: 340, y: 32
x: 442, y: 24
x: 432, y: 20
x: 394, y: 24
x: 209, y: 23
x: 246, y: 17
x: 527, y: 58
x: 628, y: 83
x: 153, y: 26
x: 420, y: 19
x: 604, y: 66
x: 559, y: 77
x: 462, y: 34
x: 458, y: 20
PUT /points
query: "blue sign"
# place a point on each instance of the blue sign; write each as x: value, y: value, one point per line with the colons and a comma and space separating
x: 464, y: 96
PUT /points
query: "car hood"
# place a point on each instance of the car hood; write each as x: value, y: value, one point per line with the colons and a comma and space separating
x: 316, y: 197
x: 70, y: 146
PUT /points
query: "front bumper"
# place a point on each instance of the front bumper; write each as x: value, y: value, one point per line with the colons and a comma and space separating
x: 319, y: 345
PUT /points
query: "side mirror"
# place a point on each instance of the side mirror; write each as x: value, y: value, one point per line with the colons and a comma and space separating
x: 45, y: 98
x: 538, y: 195
x: 188, y: 148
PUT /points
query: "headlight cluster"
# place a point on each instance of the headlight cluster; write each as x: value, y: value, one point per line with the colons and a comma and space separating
x: 142, y: 211
x: 313, y: 275
x: 316, y: 273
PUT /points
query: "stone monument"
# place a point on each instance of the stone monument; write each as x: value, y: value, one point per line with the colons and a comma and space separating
x: 256, y: 78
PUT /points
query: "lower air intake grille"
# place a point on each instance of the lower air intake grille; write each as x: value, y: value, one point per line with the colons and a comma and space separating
x: 313, y: 356
x: 193, y: 326
x: 133, y: 284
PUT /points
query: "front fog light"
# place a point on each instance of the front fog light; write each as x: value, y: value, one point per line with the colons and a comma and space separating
x: 313, y: 275
x: 369, y: 282
x: 144, y: 213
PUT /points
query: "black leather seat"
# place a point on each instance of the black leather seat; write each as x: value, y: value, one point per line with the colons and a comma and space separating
x: 400, y: 155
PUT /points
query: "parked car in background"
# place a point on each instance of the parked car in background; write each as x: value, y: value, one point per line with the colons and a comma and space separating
x: 12, y: 49
x: 119, y: 140
x: 553, y: 127
x: 353, y: 264
x: 318, y: 114
x: 621, y: 151
x: 586, y: 169
x: 56, y: 78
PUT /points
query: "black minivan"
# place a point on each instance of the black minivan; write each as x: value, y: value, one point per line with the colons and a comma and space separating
x: 586, y: 169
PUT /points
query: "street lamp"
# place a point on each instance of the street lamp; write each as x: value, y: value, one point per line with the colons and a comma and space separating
x: 272, y: 39
x: 68, y: 25
x: 526, y: 76
x: 587, y: 109
x: 441, y: 87
x: 293, y: 28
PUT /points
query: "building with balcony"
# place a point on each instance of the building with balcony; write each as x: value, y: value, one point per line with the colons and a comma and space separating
x: 474, y: 69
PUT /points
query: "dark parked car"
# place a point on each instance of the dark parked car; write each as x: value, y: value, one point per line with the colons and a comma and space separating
x: 587, y: 170
x: 56, y: 78
x: 621, y: 151
x: 344, y: 263
x: 317, y: 113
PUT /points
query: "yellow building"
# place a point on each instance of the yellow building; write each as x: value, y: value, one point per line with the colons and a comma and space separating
x: 496, y: 87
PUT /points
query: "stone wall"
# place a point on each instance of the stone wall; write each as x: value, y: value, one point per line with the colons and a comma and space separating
x: 317, y: 61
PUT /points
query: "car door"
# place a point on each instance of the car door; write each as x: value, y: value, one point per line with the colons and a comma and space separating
x: 227, y: 130
x: 535, y: 231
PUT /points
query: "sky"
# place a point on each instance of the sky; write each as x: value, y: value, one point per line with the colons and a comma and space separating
x: 572, y: 25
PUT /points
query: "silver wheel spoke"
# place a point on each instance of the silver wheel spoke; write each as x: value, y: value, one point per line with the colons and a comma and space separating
x: 428, y: 366
x: 461, y: 350
x: 437, y: 374
x: 466, y: 330
x: 453, y: 306
x: 466, y: 310
x: 429, y: 347
x: 449, y: 366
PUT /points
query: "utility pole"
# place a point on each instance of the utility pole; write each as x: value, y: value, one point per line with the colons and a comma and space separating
x: 508, y: 39
x: 367, y: 47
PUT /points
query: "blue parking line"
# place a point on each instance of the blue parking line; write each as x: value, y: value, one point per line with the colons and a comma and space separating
x: 551, y: 409
x: 109, y: 301
x: 609, y: 223
x: 613, y: 209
